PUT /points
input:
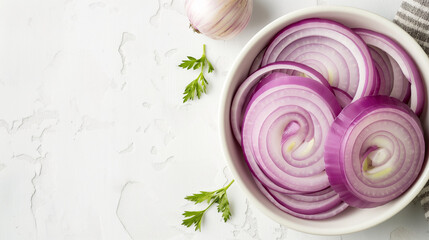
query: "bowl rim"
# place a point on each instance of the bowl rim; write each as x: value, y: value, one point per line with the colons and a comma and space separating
x: 224, y: 109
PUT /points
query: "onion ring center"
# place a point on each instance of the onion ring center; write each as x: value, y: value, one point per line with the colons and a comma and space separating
x: 376, y: 164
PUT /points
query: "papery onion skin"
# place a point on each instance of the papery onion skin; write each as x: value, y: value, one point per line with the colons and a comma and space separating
x: 219, y: 19
x: 371, y: 124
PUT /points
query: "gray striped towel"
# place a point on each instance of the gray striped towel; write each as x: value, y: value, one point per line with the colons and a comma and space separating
x: 413, y: 17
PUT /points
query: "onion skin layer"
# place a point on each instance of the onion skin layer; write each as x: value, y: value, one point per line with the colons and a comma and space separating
x: 375, y: 124
x: 219, y: 19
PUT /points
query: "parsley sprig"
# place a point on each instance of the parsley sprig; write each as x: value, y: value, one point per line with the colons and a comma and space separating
x: 219, y: 196
x: 199, y: 85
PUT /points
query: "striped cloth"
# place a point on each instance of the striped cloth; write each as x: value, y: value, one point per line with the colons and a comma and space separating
x: 413, y: 17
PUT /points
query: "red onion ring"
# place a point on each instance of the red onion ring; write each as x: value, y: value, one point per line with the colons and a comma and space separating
x: 245, y: 89
x: 311, y: 206
x: 327, y: 46
x: 343, y: 98
x: 256, y: 64
x: 385, y: 72
x: 401, y: 86
x: 406, y: 64
x: 374, y: 151
x: 312, y: 216
x: 283, y: 134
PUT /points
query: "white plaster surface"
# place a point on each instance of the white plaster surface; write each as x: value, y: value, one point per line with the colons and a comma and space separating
x: 96, y: 142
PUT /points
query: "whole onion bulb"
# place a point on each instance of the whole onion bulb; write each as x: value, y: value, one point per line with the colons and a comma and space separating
x: 219, y: 19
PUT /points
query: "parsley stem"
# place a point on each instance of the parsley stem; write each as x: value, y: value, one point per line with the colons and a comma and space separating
x: 199, y: 85
x: 203, y: 62
x: 225, y: 188
x: 209, y: 206
x: 204, y: 50
x: 229, y: 184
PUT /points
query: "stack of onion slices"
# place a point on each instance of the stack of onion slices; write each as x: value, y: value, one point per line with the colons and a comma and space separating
x: 315, y: 131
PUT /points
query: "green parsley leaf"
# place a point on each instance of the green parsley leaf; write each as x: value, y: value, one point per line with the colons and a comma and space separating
x: 201, y: 197
x: 219, y: 196
x: 188, y: 64
x: 211, y: 69
x: 199, y: 85
x: 224, y: 207
x: 194, y: 218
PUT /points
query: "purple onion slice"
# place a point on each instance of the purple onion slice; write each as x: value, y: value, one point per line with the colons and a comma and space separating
x: 312, y: 213
x: 246, y: 88
x: 374, y: 151
x: 329, y: 47
x: 404, y: 61
x: 284, y: 130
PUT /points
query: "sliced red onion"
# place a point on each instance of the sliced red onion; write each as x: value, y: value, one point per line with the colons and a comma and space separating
x: 304, y: 162
x: 329, y: 47
x: 401, y: 86
x: 385, y: 71
x: 270, y: 77
x: 314, y: 196
x: 267, y: 78
x: 312, y: 210
x: 374, y: 151
x: 342, y: 97
x: 256, y: 64
x: 246, y: 88
x: 284, y: 130
x: 405, y: 62
x: 311, y: 206
x: 392, y: 81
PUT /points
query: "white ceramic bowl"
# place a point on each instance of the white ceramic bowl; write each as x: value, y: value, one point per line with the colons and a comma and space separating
x: 351, y: 220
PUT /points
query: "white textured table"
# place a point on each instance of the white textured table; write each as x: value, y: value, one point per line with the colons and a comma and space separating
x: 96, y: 143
